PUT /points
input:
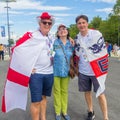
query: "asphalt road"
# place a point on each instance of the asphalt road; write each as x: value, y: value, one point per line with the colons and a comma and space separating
x: 77, y: 107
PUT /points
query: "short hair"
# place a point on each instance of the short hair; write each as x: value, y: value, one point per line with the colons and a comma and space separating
x: 81, y: 16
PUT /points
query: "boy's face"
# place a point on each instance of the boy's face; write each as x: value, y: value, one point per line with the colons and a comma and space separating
x: 82, y: 25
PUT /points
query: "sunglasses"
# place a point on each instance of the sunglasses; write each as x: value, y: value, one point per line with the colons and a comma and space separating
x: 45, y: 23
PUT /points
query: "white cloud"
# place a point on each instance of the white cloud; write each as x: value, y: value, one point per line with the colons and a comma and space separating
x: 16, y: 12
x: 5, y: 22
x: 107, y: 1
x: 27, y: 4
x: 62, y: 15
x: 34, y: 13
x: 107, y: 10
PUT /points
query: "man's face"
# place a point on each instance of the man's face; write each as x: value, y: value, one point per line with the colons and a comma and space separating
x: 45, y: 26
x: 82, y: 25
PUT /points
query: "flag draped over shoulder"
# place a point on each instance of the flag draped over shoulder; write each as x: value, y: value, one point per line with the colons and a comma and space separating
x: 24, y: 56
x: 97, y: 56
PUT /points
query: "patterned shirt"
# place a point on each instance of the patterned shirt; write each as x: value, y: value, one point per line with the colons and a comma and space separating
x: 61, y: 67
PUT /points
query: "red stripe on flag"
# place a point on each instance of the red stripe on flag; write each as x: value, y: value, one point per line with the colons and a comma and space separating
x: 100, y: 66
x: 17, y: 77
x: 25, y: 37
x: 3, y: 104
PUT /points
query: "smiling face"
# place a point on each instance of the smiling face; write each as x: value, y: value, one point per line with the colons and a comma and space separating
x: 45, y: 26
x: 62, y: 31
x: 82, y: 26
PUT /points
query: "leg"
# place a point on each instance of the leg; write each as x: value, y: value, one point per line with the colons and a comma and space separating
x: 103, y: 105
x: 46, y: 91
x: 64, y: 94
x: 35, y: 110
x: 88, y: 97
x: 43, y: 108
x: 36, y: 96
x: 85, y: 85
x: 57, y: 95
x: 2, y: 55
x: 109, y: 54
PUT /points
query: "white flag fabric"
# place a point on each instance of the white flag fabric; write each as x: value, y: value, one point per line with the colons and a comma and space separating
x: 24, y: 56
x: 97, y: 56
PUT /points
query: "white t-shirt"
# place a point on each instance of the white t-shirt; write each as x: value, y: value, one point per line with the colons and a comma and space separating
x: 84, y: 65
x: 43, y: 64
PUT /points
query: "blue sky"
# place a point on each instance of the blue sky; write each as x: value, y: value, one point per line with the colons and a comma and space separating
x: 22, y: 15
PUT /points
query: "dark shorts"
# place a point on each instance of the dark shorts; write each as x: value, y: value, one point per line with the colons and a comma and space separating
x: 40, y: 84
x: 85, y: 83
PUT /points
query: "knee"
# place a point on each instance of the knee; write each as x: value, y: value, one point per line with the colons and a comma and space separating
x: 35, y: 108
x: 88, y: 93
x: 35, y: 105
x: 102, y: 97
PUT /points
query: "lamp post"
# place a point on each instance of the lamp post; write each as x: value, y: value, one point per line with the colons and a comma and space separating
x: 8, y: 24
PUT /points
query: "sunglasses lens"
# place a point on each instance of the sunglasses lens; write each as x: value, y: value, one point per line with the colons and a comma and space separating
x: 45, y: 23
x: 49, y: 23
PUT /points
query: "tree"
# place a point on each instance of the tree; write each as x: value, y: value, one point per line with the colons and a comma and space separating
x: 110, y: 28
x: 73, y: 30
x: 11, y: 42
x: 116, y: 8
x: 95, y: 23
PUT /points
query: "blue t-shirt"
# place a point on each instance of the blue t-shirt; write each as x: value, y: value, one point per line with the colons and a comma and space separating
x: 61, y: 67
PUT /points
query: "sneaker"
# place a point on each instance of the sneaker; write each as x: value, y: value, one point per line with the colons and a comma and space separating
x: 57, y: 117
x: 66, y: 117
x: 91, y: 116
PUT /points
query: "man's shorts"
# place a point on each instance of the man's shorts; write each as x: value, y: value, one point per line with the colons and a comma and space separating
x: 85, y: 83
x: 40, y: 84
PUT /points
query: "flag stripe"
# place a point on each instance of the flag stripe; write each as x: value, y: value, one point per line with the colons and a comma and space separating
x: 3, y: 104
x: 23, y: 39
x: 100, y: 66
x: 17, y: 77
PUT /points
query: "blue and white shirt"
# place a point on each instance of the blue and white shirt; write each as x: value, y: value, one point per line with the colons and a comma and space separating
x: 61, y: 67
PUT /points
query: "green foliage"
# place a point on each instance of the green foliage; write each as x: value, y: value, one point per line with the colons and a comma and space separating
x: 110, y: 28
x: 116, y: 8
x: 95, y: 23
x: 11, y: 42
x: 73, y: 30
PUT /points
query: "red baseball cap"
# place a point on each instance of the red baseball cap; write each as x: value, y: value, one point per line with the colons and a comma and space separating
x: 46, y: 15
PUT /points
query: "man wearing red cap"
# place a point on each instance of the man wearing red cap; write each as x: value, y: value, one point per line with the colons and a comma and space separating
x: 31, y: 65
x: 41, y: 80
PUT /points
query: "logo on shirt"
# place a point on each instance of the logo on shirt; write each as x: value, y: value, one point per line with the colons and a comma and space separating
x: 96, y: 48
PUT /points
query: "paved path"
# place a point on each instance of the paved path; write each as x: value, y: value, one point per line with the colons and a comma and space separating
x: 77, y: 107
